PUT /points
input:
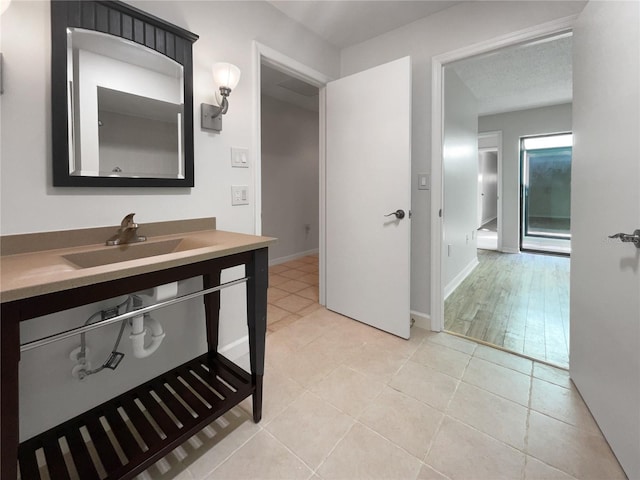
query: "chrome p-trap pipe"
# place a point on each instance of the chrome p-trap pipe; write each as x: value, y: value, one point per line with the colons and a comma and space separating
x: 135, y: 313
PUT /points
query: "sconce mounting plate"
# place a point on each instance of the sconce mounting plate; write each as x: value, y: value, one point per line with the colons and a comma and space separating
x: 208, y: 119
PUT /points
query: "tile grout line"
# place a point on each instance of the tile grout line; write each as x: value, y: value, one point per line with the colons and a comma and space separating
x: 444, y: 413
x: 375, y: 432
x: 226, y: 459
x: 526, y: 433
x: 290, y: 451
x: 324, y: 460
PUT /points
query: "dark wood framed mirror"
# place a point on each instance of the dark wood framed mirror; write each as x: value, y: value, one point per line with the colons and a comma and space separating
x: 121, y: 97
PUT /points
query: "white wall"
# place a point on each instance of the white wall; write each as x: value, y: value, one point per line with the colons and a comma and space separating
x: 514, y: 125
x: 30, y: 204
x: 456, y: 27
x: 290, y: 176
x: 460, y: 167
x: 138, y: 145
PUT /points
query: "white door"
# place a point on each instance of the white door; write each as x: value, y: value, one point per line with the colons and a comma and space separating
x: 369, y: 176
x: 605, y: 273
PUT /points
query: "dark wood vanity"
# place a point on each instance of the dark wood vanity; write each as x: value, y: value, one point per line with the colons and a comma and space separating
x: 209, y: 384
x: 125, y: 435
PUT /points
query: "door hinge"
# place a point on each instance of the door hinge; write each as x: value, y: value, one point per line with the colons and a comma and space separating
x: 440, y: 213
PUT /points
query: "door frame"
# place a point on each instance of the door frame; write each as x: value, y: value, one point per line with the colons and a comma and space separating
x: 496, y: 146
x: 437, y: 130
x: 275, y: 59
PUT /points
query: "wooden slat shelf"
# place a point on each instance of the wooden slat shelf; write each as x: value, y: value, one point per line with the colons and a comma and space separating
x: 191, y: 396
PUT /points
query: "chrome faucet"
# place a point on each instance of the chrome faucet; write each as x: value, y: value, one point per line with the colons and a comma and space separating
x: 127, y: 233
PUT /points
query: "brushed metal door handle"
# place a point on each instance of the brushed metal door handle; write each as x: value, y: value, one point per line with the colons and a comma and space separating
x: 398, y: 213
x: 629, y: 237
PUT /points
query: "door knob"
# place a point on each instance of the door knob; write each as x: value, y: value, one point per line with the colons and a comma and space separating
x: 398, y: 213
x: 629, y: 237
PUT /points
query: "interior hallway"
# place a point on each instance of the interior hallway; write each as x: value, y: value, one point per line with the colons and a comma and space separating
x: 487, y: 235
x: 519, y: 302
x: 343, y: 400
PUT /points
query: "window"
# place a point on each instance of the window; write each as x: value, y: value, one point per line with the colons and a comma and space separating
x: 546, y: 188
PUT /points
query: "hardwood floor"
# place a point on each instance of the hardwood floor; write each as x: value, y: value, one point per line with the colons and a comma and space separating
x: 518, y: 302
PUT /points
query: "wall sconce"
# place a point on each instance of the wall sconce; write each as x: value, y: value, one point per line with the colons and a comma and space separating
x: 225, y: 77
x: 4, y: 4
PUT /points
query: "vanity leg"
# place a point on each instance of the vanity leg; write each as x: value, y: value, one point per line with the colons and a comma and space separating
x: 9, y: 403
x: 258, y: 273
x: 212, y: 308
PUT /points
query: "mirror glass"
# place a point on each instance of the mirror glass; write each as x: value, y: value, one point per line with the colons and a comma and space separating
x: 125, y: 106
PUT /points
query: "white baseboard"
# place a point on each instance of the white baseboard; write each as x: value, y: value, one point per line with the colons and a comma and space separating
x: 235, y: 350
x: 509, y: 250
x: 421, y: 320
x: 289, y: 258
x: 458, y: 279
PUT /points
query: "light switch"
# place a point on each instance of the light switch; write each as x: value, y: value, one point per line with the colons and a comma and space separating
x: 424, y: 181
x: 239, y: 195
x: 239, y: 157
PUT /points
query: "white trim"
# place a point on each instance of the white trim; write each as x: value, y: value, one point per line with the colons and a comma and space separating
x: 257, y: 140
x: 322, y: 227
x: 437, y: 192
x: 458, y: 279
x: 509, y: 250
x: 422, y: 320
x: 290, y: 66
x: 295, y: 256
x: 235, y: 350
x: 294, y: 68
x: 553, y: 27
x: 437, y: 62
x: 544, y: 244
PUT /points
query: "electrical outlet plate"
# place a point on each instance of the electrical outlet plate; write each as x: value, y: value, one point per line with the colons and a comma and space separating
x: 239, y: 195
x: 239, y: 157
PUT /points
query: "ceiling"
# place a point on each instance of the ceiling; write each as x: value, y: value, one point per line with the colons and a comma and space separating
x: 347, y: 22
x: 515, y: 78
x: 528, y: 76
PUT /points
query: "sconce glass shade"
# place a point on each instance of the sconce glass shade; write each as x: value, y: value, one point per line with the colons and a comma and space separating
x: 4, y: 4
x: 226, y: 75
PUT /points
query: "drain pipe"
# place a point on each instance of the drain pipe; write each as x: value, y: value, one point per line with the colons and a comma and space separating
x: 142, y: 324
x: 139, y: 327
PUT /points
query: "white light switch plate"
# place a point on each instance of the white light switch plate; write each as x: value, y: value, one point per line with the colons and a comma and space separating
x: 239, y: 195
x: 424, y: 181
x: 239, y: 157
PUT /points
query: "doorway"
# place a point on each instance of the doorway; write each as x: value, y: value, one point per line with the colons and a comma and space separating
x: 264, y: 55
x: 488, y: 200
x: 290, y: 165
x: 516, y: 302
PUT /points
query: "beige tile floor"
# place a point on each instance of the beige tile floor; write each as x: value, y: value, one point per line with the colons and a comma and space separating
x: 346, y: 401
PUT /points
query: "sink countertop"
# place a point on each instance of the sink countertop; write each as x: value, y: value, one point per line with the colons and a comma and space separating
x: 41, y: 269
